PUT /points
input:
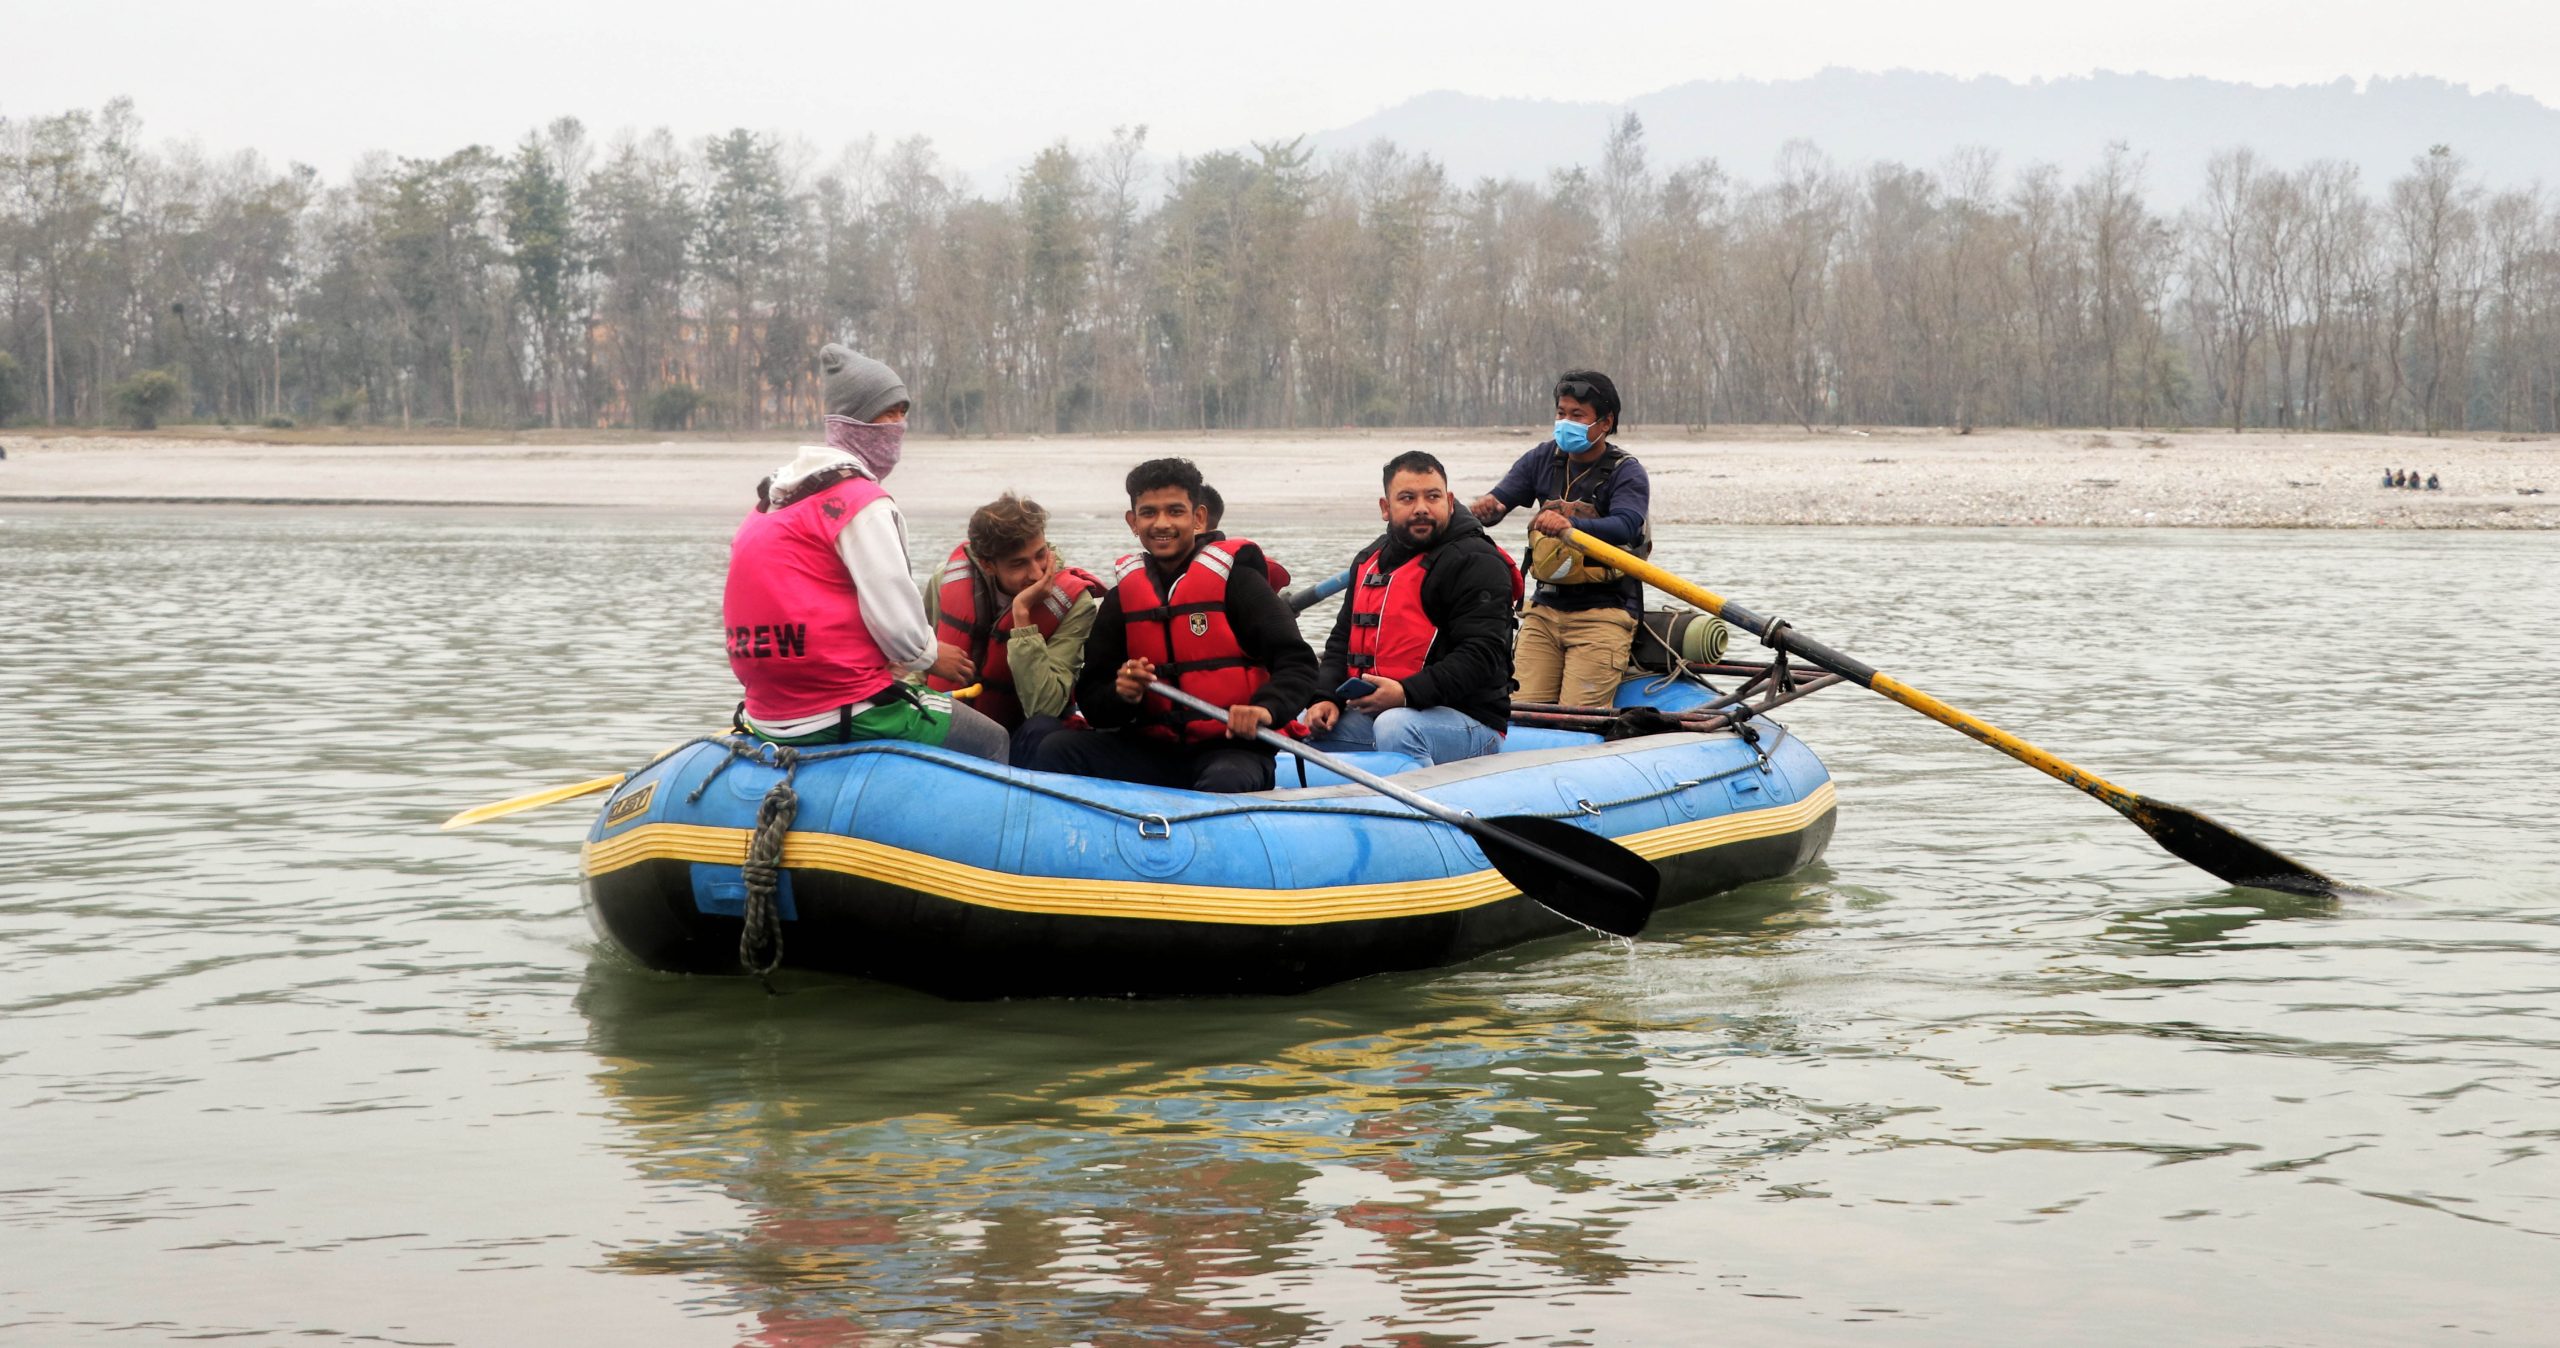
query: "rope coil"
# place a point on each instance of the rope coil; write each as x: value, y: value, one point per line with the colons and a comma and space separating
x: 760, y: 939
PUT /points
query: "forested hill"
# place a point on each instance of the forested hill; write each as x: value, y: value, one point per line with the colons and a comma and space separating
x: 1918, y: 119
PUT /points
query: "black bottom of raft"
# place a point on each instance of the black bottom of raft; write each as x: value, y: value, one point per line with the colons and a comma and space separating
x: 854, y: 925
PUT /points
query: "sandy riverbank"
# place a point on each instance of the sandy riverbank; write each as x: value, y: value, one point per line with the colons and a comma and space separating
x: 1729, y: 476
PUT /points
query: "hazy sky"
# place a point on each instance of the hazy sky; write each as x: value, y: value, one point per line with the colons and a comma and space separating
x: 323, y: 80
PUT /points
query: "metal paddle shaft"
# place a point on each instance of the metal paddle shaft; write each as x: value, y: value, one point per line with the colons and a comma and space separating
x: 1577, y: 874
x: 2183, y: 833
x: 1302, y: 600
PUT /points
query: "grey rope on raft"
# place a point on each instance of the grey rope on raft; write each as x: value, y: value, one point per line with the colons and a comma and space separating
x: 759, y: 751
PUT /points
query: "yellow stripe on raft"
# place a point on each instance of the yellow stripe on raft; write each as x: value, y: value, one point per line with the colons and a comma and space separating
x: 1155, y: 899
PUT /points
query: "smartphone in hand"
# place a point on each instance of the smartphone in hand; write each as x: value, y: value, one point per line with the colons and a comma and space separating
x: 1352, y: 688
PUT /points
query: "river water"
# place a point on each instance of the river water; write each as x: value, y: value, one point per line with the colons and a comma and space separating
x: 280, y: 1061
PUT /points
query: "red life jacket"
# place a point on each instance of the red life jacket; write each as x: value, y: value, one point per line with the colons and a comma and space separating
x: 1390, y: 634
x: 968, y: 613
x: 794, y: 624
x: 1185, y: 635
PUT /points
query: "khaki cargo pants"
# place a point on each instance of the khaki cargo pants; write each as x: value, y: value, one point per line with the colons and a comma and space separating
x: 1575, y: 659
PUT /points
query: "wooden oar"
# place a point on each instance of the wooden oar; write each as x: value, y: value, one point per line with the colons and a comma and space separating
x: 2184, y: 833
x: 500, y: 809
x: 1577, y: 874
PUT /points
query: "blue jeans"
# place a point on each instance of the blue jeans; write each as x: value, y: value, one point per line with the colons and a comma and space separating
x: 1427, y: 736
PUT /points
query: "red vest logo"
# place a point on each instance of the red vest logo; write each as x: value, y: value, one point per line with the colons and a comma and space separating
x: 1199, y: 624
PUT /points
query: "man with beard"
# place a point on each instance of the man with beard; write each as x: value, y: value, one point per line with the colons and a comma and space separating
x: 1201, y: 617
x: 1419, y: 662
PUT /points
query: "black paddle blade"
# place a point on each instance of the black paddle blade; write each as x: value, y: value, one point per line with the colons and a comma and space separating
x: 1591, y: 879
x: 2222, y: 852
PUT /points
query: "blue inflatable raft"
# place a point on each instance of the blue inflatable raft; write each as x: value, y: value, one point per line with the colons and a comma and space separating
x: 972, y: 880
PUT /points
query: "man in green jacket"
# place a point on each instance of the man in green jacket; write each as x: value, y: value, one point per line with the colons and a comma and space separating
x: 1013, y: 620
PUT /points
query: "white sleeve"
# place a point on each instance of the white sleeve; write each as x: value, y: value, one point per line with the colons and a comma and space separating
x: 874, y: 549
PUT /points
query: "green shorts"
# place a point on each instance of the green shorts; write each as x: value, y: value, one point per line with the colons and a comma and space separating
x: 923, y: 718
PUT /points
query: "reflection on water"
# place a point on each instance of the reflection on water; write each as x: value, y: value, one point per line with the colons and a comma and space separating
x: 1068, y: 1178
x: 281, y: 1060
x: 1225, y: 1168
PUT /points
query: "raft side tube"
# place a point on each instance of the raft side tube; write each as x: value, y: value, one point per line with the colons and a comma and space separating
x: 916, y: 866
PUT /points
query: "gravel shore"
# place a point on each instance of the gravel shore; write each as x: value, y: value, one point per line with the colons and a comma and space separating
x: 2129, y: 479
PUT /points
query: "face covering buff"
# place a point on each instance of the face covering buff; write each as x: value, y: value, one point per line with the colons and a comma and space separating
x: 875, y: 444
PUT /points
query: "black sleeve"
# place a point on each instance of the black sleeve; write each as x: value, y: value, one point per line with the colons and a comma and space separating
x: 1336, y: 664
x: 1104, y: 652
x: 1471, y: 605
x: 1268, y: 631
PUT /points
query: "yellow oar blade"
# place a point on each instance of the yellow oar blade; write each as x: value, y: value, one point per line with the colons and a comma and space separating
x: 481, y: 813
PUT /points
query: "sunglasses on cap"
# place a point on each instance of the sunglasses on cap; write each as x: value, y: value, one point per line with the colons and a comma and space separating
x: 1580, y: 390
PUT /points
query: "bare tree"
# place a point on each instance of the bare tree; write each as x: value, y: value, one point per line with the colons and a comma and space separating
x: 647, y: 282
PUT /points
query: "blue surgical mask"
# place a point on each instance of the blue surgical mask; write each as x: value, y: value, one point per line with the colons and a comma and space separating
x: 1572, y: 437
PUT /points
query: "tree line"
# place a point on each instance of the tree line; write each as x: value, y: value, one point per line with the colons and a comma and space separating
x: 639, y: 281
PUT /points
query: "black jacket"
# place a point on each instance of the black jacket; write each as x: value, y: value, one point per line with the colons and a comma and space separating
x: 1263, y: 625
x: 1467, y: 595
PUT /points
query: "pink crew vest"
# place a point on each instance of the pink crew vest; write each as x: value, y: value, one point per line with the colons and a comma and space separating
x: 794, y: 623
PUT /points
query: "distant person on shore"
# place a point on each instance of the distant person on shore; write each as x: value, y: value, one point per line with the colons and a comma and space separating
x: 1427, y: 629
x: 2432, y: 484
x: 1201, y: 617
x: 821, y: 610
x: 2412, y: 480
x: 2391, y: 477
x: 1579, y: 626
x: 1213, y: 508
x: 1012, y: 619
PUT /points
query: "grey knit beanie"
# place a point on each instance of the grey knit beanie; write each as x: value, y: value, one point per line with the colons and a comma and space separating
x: 857, y: 386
